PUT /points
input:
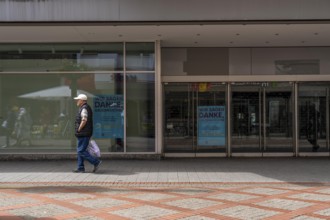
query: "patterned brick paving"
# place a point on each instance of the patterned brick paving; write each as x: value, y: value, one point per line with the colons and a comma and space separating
x: 165, y: 201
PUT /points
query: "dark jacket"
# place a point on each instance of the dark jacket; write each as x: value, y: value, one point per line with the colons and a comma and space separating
x: 87, y: 130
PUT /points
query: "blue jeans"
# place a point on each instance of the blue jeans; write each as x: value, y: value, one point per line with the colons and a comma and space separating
x: 82, y: 153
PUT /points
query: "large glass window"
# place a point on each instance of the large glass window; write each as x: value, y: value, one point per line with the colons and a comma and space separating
x: 108, y: 105
x: 61, y: 57
x: 140, y: 56
x: 40, y: 111
x: 140, y: 113
x: 38, y: 83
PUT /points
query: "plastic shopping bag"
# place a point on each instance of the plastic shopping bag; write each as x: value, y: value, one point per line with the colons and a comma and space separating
x: 93, y: 149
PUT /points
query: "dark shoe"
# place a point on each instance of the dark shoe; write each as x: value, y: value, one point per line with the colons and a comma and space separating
x: 78, y: 171
x: 315, y: 148
x: 96, y: 167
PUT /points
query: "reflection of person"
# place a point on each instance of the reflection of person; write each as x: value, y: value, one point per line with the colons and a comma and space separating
x: 45, y: 119
x: 313, y: 127
x: 83, y: 132
x: 23, y: 127
x: 62, y: 123
x: 9, y: 123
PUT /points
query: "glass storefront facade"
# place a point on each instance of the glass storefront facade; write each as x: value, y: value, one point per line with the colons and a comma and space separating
x: 270, y: 101
x: 211, y: 117
x: 38, y: 83
x: 247, y: 118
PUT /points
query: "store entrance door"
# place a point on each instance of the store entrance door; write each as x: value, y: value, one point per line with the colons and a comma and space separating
x: 261, y: 118
x: 195, y: 119
x: 314, y: 114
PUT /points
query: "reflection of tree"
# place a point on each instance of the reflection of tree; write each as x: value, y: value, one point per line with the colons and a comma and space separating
x: 72, y: 65
x: 73, y: 78
x: 129, y: 78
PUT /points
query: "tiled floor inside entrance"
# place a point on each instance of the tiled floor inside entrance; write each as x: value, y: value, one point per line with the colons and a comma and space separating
x: 193, y: 201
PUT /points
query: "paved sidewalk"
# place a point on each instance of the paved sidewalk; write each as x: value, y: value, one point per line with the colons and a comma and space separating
x: 199, y: 170
x: 212, y: 188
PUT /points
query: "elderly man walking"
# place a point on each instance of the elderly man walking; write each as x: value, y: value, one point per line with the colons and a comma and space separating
x: 84, y: 132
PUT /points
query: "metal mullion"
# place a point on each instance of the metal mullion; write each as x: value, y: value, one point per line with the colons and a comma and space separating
x: 189, y: 90
x: 260, y: 120
x: 264, y: 118
x: 195, y: 104
x: 327, y: 117
x: 138, y: 71
x: 228, y: 118
x: 159, y: 103
x: 124, y: 81
x: 296, y: 120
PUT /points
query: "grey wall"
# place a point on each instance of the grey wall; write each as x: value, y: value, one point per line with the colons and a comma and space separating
x: 195, y: 61
x: 261, y: 61
x: 162, y: 10
x: 242, y: 61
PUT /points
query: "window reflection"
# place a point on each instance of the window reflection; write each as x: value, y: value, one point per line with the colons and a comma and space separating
x: 39, y: 110
x: 61, y: 57
x: 38, y: 83
x: 140, y: 56
x: 108, y: 106
x: 140, y: 113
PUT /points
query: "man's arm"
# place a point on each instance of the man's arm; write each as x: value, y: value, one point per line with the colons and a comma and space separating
x: 83, y: 119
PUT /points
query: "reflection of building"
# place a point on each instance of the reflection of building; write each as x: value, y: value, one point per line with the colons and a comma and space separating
x: 266, y: 66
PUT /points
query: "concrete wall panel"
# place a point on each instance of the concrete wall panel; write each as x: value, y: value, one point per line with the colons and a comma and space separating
x: 162, y: 10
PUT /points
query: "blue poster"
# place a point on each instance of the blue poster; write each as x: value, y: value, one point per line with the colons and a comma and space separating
x: 211, y: 126
x: 108, y: 116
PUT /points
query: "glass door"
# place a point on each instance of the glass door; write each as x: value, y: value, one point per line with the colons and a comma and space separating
x: 313, y: 121
x: 279, y: 118
x: 262, y: 117
x: 210, y: 121
x: 194, y: 118
x: 179, y: 113
x: 246, y: 116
